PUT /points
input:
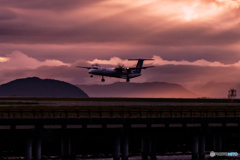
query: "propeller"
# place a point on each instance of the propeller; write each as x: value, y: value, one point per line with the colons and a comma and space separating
x: 95, y: 64
x: 120, y: 67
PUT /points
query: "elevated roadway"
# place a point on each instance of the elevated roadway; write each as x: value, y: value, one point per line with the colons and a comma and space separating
x: 149, y: 128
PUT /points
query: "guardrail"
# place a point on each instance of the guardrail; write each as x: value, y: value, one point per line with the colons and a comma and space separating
x: 115, y: 113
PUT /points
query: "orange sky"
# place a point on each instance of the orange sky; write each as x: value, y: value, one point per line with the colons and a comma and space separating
x: 192, y: 42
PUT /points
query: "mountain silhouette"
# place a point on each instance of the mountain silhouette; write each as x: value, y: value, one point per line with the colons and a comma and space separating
x: 142, y: 90
x: 36, y: 87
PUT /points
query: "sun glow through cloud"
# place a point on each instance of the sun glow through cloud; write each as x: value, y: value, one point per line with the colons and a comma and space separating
x: 197, y: 10
x: 230, y: 3
x: 4, y: 59
x: 190, y: 12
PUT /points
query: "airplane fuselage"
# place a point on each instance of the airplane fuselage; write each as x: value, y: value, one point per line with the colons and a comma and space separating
x: 112, y: 72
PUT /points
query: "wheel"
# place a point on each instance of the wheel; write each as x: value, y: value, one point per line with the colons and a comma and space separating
x: 103, y: 80
x: 127, y: 80
x: 91, y: 76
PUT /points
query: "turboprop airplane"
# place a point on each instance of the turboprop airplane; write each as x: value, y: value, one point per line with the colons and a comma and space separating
x: 119, y: 72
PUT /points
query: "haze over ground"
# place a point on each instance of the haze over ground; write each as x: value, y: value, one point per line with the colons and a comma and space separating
x: 192, y: 42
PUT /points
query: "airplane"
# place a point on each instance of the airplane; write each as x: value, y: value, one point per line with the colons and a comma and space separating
x: 119, y: 72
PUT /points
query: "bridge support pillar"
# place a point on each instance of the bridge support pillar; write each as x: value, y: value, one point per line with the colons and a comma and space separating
x: 195, y: 147
x: 117, y: 146
x: 202, y: 146
x: 38, y: 149
x: 64, y: 148
x: 73, y: 149
x: 153, y: 146
x: 145, y: 148
x: 125, y: 148
x: 67, y: 148
x: 29, y: 149
x: 217, y: 143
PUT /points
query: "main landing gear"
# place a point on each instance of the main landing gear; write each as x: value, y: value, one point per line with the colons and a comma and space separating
x: 102, y: 80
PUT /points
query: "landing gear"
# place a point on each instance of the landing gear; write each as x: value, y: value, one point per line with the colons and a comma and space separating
x: 127, y: 80
x: 103, y: 80
x: 91, y: 75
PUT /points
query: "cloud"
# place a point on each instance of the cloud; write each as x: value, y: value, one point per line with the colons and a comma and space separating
x: 172, y: 22
x: 69, y: 53
x: 230, y: 3
x: 6, y: 14
x: 4, y: 59
x: 18, y: 60
x: 158, y: 61
x: 114, y: 61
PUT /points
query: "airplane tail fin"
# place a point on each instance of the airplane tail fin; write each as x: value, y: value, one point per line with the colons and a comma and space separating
x: 139, y: 64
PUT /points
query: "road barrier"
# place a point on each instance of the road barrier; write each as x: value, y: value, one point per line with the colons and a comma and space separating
x: 115, y: 113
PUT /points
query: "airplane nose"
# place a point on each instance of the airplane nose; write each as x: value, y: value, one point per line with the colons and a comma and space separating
x: 90, y: 71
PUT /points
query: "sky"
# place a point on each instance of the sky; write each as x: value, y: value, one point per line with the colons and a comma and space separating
x: 192, y: 42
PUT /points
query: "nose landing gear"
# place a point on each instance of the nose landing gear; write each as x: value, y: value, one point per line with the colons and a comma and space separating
x: 102, y: 80
x: 91, y: 75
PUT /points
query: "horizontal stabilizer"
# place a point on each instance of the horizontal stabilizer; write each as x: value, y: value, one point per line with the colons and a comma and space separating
x: 140, y: 67
x: 140, y: 59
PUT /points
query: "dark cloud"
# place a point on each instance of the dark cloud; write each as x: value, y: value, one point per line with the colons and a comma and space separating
x: 125, y: 26
x: 46, y: 4
x: 71, y: 53
x: 103, y: 32
x: 6, y: 14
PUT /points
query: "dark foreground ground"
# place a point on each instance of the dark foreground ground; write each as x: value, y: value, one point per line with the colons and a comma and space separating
x: 80, y: 128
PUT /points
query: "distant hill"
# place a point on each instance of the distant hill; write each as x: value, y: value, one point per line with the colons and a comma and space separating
x: 36, y: 87
x: 146, y: 90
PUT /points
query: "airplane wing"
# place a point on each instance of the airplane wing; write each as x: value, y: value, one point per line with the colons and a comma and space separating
x: 84, y: 67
